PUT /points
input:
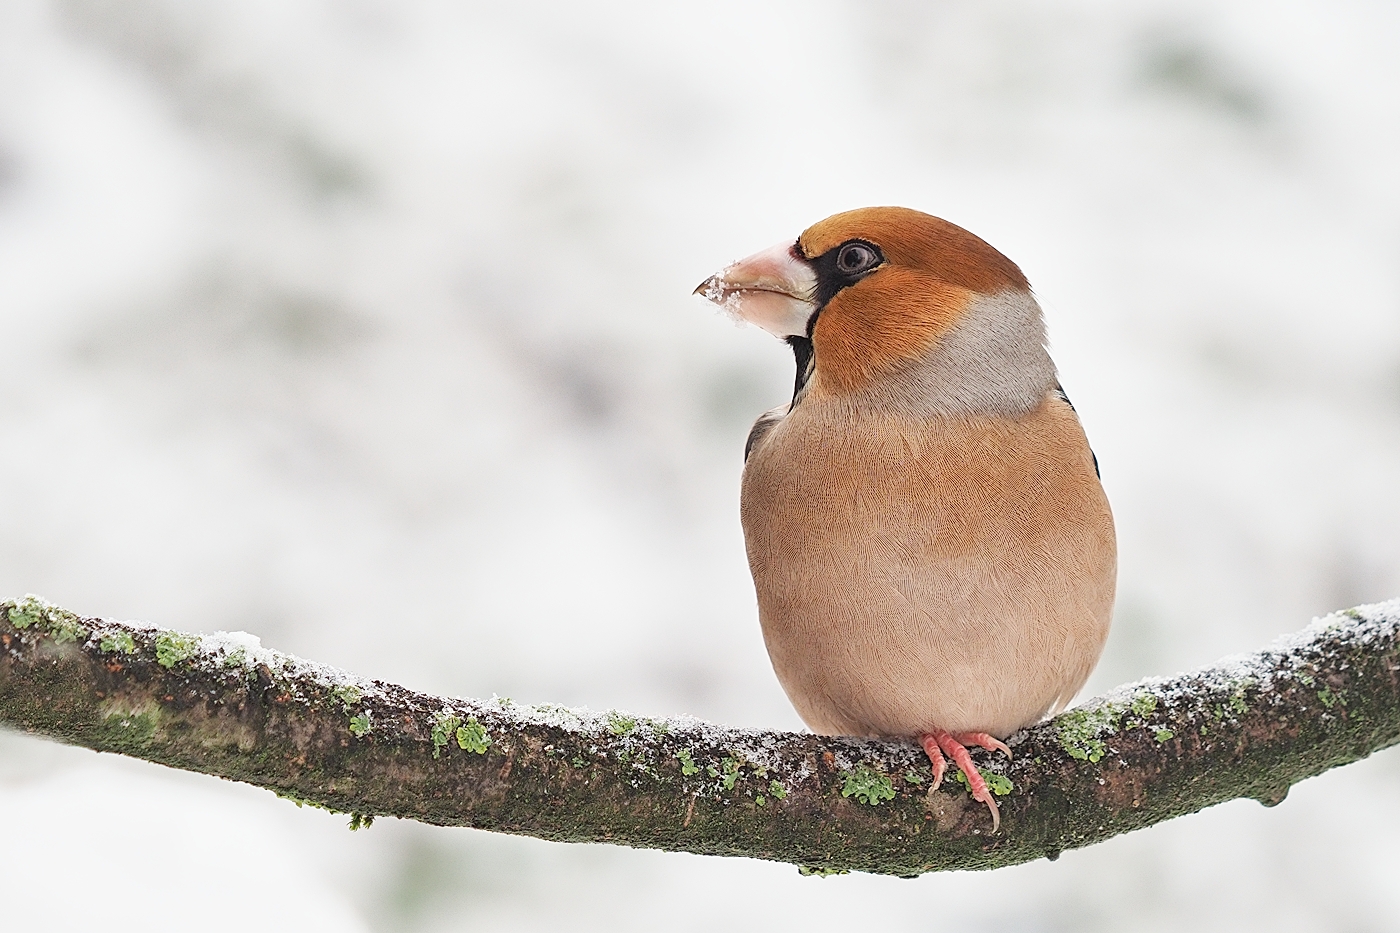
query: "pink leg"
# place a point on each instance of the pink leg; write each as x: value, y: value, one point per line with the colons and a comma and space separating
x: 939, y: 741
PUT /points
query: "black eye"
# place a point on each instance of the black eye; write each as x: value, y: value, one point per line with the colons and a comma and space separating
x: 856, y: 257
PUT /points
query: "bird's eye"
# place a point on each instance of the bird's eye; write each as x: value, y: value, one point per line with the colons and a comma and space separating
x: 856, y: 257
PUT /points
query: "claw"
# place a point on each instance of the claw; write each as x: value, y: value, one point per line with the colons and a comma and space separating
x: 939, y: 742
x: 983, y: 740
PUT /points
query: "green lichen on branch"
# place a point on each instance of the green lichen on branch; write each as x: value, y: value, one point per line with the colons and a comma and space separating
x: 1085, y: 732
x: 221, y: 704
x: 867, y: 785
x: 728, y: 772
x: 66, y: 630
x: 688, y: 765
x: 60, y: 624
x: 998, y: 784
x: 1081, y: 731
x: 618, y: 724
x: 174, y: 647
x: 472, y: 737
x: 444, y: 725
x: 121, y: 642
x: 1143, y: 705
x: 23, y: 613
x: 348, y: 695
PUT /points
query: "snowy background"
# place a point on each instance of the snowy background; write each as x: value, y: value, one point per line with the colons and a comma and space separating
x: 366, y: 326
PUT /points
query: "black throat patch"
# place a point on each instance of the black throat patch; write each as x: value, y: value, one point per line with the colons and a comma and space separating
x: 802, y: 353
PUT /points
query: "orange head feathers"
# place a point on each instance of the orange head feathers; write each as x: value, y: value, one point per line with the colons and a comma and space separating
x: 897, y: 307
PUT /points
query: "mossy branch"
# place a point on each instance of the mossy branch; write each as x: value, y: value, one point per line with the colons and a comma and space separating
x: 222, y: 704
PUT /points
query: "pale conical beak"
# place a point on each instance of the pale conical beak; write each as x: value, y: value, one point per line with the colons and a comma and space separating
x: 775, y: 289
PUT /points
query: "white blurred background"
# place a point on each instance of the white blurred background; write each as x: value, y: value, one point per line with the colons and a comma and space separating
x: 366, y: 326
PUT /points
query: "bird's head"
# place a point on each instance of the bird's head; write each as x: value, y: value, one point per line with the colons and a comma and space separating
x: 896, y: 301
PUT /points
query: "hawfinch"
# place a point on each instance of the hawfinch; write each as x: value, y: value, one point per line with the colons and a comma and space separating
x: 933, y: 553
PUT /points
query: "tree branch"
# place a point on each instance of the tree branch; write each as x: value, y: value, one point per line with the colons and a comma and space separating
x: 221, y: 704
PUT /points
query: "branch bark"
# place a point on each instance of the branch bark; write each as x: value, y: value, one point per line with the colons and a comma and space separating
x: 221, y: 704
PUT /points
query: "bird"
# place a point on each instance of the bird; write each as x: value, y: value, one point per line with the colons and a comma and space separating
x: 931, y: 547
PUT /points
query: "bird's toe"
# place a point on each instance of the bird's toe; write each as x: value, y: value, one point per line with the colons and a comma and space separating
x: 939, y: 742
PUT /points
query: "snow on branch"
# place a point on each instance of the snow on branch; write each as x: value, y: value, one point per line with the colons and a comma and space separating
x: 1248, y: 726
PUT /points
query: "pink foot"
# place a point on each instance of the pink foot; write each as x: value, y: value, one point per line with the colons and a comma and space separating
x: 938, y: 742
x: 983, y: 740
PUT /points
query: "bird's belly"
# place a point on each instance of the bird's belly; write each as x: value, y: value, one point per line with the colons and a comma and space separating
x: 904, y: 593
x: 866, y: 659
